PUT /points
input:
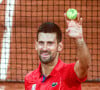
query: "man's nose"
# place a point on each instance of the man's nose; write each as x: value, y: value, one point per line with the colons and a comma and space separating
x: 45, y: 46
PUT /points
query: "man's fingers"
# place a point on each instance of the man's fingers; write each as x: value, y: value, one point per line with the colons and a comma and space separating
x: 80, y: 22
x: 78, y: 17
x: 67, y: 30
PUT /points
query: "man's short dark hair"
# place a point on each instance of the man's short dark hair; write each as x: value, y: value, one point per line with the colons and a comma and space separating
x: 49, y: 27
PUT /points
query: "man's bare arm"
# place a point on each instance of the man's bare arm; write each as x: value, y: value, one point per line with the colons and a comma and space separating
x: 84, y: 59
x: 75, y: 31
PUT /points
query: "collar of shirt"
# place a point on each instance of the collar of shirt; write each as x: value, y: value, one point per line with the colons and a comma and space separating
x: 54, y: 72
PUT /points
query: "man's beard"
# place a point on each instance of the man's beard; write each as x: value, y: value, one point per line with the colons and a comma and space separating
x: 48, y: 59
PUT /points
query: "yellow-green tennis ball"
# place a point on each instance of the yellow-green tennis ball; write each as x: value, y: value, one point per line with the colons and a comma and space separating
x: 71, y: 13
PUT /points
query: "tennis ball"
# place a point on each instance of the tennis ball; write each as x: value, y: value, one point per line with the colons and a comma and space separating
x: 0, y: 1
x: 71, y: 13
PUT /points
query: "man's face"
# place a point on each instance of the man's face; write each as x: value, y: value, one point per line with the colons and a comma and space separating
x: 47, y: 47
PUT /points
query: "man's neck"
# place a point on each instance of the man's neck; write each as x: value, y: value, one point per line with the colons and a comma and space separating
x: 47, y: 68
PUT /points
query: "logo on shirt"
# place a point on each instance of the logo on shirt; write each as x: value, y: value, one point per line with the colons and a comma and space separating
x: 54, y: 84
x: 33, y: 86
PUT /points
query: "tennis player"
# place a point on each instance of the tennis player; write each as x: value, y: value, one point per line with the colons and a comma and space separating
x: 53, y: 73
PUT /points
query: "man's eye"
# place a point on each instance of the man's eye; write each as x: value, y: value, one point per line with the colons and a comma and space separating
x: 50, y: 43
x: 40, y: 42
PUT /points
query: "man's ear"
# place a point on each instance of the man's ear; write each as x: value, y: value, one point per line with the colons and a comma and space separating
x: 60, y: 46
x: 36, y: 44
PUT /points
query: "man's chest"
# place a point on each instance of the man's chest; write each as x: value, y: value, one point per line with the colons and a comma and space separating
x: 51, y: 83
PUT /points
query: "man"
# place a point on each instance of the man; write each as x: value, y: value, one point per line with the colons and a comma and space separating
x: 52, y: 73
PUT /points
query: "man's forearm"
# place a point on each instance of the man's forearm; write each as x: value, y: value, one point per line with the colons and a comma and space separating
x: 83, y: 53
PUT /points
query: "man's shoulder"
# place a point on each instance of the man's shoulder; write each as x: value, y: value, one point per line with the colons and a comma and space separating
x: 31, y: 75
x: 69, y: 64
x: 66, y: 64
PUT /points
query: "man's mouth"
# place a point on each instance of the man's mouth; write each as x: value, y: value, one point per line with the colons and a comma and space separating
x: 45, y: 55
